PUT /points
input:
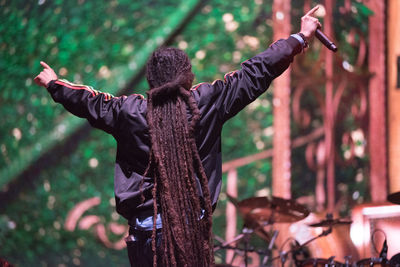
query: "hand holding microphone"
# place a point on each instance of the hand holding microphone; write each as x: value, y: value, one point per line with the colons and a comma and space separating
x: 310, y: 26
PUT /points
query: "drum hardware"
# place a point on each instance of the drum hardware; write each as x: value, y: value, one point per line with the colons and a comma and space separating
x: 227, y: 244
x: 300, y: 253
x: 394, y: 198
x: 372, y: 262
x: 283, y: 255
x: 347, y: 260
x: 329, y: 222
x: 247, y: 232
x: 245, y: 236
x: 270, y: 246
x: 260, y: 212
x: 218, y: 238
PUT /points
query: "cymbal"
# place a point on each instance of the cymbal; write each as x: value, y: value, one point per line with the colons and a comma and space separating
x: 394, y: 198
x: 272, y: 210
x: 330, y: 223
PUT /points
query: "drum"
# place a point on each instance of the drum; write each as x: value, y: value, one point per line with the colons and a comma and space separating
x: 317, y: 262
x: 395, y: 260
x: 338, y: 243
x: 372, y: 262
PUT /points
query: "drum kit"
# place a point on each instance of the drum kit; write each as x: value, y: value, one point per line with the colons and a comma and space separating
x: 259, y: 213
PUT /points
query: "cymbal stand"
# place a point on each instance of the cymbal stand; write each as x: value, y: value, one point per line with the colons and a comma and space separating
x: 245, y: 235
x: 269, y: 249
x: 246, y: 239
x: 324, y: 233
x: 283, y: 255
x: 227, y: 244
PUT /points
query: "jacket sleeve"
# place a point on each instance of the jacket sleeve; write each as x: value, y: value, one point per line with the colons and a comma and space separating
x: 100, y: 109
x: 243, y: 86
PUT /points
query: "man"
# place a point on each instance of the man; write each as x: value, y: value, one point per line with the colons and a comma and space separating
x: 168, y: 162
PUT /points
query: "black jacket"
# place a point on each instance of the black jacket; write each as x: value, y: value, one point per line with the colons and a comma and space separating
x: 125, y: 118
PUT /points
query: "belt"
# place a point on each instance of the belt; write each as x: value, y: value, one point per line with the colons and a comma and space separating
x: 136, y: 234
x: 141, y: 216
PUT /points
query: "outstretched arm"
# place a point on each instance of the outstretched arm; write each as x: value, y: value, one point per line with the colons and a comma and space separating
x: 241, y: 87
x: 100, y: 109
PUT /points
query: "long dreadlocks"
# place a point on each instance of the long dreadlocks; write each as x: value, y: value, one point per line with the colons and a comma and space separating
x: 175, y: 163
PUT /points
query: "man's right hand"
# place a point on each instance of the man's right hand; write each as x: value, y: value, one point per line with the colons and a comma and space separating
x: 309, y: 24
x: 45, y: 76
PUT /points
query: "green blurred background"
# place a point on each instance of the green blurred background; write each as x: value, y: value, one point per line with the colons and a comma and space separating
x: 51, y: 161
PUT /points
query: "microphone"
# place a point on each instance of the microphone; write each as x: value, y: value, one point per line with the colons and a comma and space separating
x: 325, y: 40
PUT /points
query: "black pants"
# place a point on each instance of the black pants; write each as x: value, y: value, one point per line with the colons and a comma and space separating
x: 139, y: 248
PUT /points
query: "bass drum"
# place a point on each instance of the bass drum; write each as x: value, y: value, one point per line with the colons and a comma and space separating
x: 337, y: 244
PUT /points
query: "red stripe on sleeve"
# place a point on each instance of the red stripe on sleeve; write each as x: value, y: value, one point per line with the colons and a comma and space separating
x: 196, y: 86
x: 75, y: 87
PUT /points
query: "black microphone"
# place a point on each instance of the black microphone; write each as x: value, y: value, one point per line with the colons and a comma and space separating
x: 325, y: 40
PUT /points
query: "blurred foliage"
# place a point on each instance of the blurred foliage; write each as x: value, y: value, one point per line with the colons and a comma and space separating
x: 85, y: 41
x: 60, y: 33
